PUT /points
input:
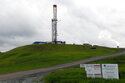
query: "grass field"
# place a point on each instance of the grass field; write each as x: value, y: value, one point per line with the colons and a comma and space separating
x: 44, y: 55
x: 0, y: 53
x: 78, y: 75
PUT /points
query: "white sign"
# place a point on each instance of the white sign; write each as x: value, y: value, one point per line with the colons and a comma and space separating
x: 110, y: 71
x: 93, y: 70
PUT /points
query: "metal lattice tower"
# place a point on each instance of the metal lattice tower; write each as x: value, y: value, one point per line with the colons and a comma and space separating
x: 54, y: 25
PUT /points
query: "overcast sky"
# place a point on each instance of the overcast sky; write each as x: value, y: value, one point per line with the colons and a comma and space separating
x: 100, y: 22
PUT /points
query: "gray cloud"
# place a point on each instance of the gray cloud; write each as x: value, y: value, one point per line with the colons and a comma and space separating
x: 88, y: 21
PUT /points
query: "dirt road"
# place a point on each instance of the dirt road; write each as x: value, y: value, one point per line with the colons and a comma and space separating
x: 20, y: 74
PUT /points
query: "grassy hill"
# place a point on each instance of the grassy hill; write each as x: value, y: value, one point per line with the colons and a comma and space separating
x: 78, y: 75
x: 44, y: 55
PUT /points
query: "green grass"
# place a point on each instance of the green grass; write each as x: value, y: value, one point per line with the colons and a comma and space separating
x: 0, y: 53
x: 44, y: 55
x: 78, y: 75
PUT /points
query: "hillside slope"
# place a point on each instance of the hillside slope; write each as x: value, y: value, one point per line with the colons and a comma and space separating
x: 44, y: 55
x: 0, y: 53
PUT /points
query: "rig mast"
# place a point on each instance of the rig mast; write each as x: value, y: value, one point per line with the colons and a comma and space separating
x: 54, y: 25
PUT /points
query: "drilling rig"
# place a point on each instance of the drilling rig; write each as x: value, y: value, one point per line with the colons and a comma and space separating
x: 54, y: 25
